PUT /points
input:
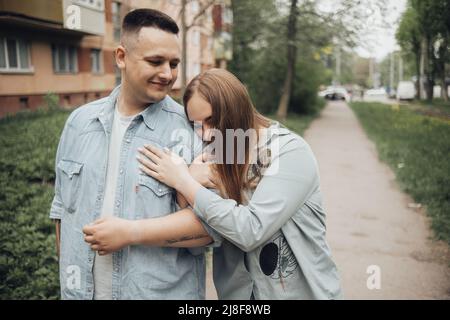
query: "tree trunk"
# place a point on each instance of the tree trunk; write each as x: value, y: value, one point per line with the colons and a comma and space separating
x: 430, y: 69
x: 444, y: 89
x: 423, y: 65
x: 291, y: 60
x: 418, y: 69
x: 443, y: 57
x: 184, y: 31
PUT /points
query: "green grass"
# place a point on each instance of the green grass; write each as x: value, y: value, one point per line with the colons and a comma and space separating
x: 436, y: 108
x: 28, y: 261
x: 417, y: 148
x: 436, y: 103
x: 300, y: 122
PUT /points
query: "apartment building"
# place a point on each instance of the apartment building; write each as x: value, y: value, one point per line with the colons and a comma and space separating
x: 66, y: 47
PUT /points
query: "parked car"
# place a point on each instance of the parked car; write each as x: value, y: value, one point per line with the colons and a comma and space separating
x: 335, y: 93
x: 406, y: 90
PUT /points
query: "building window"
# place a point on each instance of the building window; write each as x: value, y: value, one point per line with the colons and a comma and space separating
x: 96, y: 61
x: 14, y: 55
x: 195, y: 7
x: 24, y: 103
x: 228, y: 16
x: 116, y: 20
x: 66, y: 101
x: 196, y: 38
x: 64, y: 59
x: 210, y: 45
x: 196, y: 69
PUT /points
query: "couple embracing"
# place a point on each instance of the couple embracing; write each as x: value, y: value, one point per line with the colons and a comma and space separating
x: 140, y: 193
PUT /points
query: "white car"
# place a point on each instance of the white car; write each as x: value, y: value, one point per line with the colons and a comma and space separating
x: 406, y: 90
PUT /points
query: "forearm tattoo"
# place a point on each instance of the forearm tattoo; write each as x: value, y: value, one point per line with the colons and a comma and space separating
x: 187, y: 238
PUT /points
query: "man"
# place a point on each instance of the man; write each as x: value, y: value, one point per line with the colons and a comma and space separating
x: 97, y: 174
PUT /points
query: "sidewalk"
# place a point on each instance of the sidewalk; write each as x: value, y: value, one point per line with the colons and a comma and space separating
x: 368, y: 219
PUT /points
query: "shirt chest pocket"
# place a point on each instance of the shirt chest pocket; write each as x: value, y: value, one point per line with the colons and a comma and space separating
x: 153, y: 198
x: 158, y: 188
x: 70, y: 183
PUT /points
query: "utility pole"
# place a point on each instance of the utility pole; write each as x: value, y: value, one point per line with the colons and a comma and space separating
x: 338, y: 66
x: 400, y: 67
x: 371, y: 71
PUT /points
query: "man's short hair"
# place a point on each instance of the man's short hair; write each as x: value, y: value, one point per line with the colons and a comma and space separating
x: 139, y: 18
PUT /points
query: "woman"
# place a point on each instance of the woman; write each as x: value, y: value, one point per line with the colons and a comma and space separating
x: 268, y: 204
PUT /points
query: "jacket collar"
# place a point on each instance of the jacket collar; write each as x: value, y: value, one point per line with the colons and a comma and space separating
x: 149, y: 115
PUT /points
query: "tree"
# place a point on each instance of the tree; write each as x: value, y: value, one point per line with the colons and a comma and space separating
x: 291, y: 61
x: 344, y: 26
x: 266, y: 54
x: 441, y: 10
x: 185, y: 27
x: 409, y: 38
x: 425, y: 30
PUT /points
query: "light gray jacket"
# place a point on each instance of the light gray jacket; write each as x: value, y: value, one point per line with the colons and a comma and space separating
x: 275, y: 245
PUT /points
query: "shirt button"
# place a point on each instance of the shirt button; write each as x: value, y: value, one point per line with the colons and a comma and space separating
x: 160, y: 190
x: 121, y: 171
x: 128, y: 140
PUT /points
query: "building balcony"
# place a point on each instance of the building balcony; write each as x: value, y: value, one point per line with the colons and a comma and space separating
x: 64, y: 17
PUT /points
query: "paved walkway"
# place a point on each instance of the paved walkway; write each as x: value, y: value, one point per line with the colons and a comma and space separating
x: 370, y: 222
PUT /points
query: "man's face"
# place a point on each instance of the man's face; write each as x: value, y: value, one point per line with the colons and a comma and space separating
x: 150, y: 64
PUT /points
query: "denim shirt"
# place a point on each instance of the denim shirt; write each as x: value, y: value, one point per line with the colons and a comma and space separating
x: 139, y: 272
x: 274, y: 244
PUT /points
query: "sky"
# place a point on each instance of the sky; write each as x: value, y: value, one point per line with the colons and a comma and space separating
x: 381, y: 41
x: 379, y: 35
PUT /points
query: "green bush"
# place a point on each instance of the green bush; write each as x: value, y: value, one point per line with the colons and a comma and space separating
x: 52, y: 101
x: 28, y: 261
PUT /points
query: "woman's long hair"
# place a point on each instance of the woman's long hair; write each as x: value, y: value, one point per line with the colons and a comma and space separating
x: 231, y: 109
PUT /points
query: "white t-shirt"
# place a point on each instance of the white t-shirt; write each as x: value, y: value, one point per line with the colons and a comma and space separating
x: 103, y: 265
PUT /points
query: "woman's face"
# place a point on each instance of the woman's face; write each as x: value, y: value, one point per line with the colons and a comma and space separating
x: 199, y: 112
